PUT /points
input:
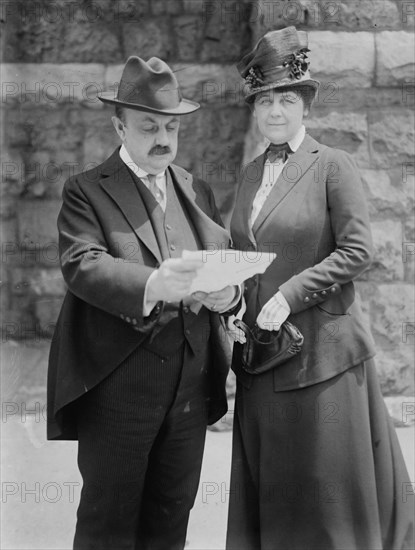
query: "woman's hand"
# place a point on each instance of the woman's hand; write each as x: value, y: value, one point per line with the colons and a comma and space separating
x: 274, y: 313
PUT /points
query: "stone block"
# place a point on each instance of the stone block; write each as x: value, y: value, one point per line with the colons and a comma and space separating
x: 329, y: 63
x: 46, y: 312
x: 188, y: 31
x: 392, y: 322
x: 351, y: 15
x: 347, y: 131
x: 406, y: 13
x: 387, y: 263
x: 367, y: 14
x: 395, y: 60
x: 12, y: 172
x: 386, y: 197
x: 198, y: 6
x: 37, y: 229
x: 161, y: 7
x: 401, y: 409
x: 89, y: 42
x: 210, y: 83
x: 151, y: 39
x: 8, y: 236
x: 391, y: 137
x: 408, y: 249
x: 395, y: 370
x: 18, y: 128
x: 48, y: 83
x: 226, y: 31
x: 49, y: 130
x: 100, y: 137
x: 38, y: 281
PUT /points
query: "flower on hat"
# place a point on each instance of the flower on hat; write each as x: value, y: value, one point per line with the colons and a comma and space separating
x: 254, y: 78
x: 298, y: 63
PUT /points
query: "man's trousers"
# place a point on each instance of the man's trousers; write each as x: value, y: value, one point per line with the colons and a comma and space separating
x: 141, y: 439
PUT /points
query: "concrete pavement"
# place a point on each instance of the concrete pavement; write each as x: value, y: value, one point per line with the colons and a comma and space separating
x: 41, y: 483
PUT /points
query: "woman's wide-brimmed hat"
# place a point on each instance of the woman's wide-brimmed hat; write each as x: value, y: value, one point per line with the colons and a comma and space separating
x: 279, y: 60
x: 149, y: 86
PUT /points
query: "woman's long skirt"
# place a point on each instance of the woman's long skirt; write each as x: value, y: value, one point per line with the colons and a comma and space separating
x: 319, y: 468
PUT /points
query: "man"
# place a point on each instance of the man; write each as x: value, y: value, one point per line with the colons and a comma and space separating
x: 137, y: 364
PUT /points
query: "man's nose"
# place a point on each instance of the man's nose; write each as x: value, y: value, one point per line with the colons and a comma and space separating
x: 162, y: 137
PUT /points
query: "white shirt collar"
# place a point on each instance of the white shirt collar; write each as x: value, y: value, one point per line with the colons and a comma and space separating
x: 139, y: 172
x: 297, y: 140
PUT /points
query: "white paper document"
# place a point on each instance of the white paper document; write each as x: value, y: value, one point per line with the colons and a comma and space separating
x: 227, y: 267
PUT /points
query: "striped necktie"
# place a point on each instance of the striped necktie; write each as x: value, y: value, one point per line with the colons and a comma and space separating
x: 154, y: 188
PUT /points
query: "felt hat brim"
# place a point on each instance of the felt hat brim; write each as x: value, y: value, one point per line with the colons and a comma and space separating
x: 185, y: 106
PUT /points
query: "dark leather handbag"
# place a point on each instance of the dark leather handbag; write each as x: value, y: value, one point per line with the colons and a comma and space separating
x: 265, y: 349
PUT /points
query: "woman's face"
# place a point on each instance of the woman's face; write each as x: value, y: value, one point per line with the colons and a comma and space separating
x: 279, y: 114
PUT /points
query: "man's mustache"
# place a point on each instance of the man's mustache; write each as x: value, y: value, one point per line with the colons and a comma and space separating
x: 160, y: 150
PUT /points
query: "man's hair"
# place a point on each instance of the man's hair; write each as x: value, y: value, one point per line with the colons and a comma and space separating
x: 120, y: 113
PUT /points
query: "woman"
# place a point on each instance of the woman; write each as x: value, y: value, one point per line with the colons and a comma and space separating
x: 316, y: 462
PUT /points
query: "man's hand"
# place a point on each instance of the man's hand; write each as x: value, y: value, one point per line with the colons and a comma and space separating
x: 172, y: 280
x: 216, y: 301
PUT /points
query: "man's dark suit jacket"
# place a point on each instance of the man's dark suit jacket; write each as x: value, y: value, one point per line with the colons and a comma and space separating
x: 108, y: 250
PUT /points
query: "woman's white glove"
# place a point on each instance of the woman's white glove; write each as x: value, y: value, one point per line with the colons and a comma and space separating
x: 274, y: 313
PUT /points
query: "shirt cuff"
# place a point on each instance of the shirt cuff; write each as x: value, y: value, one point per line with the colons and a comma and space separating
x: 235, y: 300
x: 148, y: 305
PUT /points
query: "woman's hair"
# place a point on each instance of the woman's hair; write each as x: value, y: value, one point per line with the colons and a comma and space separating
x: 307, y: 94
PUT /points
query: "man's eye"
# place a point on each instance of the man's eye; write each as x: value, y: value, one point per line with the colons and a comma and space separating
x: 150, y: 129
x: 171, y: 127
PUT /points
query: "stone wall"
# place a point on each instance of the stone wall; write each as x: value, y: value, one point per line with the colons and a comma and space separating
x: 58, y: 54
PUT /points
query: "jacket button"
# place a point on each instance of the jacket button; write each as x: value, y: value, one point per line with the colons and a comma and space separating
x: 185, y: 309
x: 187, y: 331
x: 314, y: 295
x: 172, y: 247
x: 323, y: 293
x: 134, y: 321
x: 122, y: 316
x: 128, y: 320
x: 168, y: 226
x: 333, y: 289
x: 306, y: 299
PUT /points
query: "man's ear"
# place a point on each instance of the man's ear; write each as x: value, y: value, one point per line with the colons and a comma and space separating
x: 119, y: 127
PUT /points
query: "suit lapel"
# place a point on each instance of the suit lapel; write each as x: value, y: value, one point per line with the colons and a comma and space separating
x: 209, y: 232
x: 118, y: 182
x: 251, y: 182
x: 298, y: 164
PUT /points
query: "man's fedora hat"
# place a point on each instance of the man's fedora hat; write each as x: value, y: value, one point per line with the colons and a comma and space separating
x: 149, y: 86
x: 279, y: 60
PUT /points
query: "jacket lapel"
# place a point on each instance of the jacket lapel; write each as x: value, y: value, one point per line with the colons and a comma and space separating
x: 209, y: 232
x: 298, y: 164
x: 251, y: 182
x: 118, y: 182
